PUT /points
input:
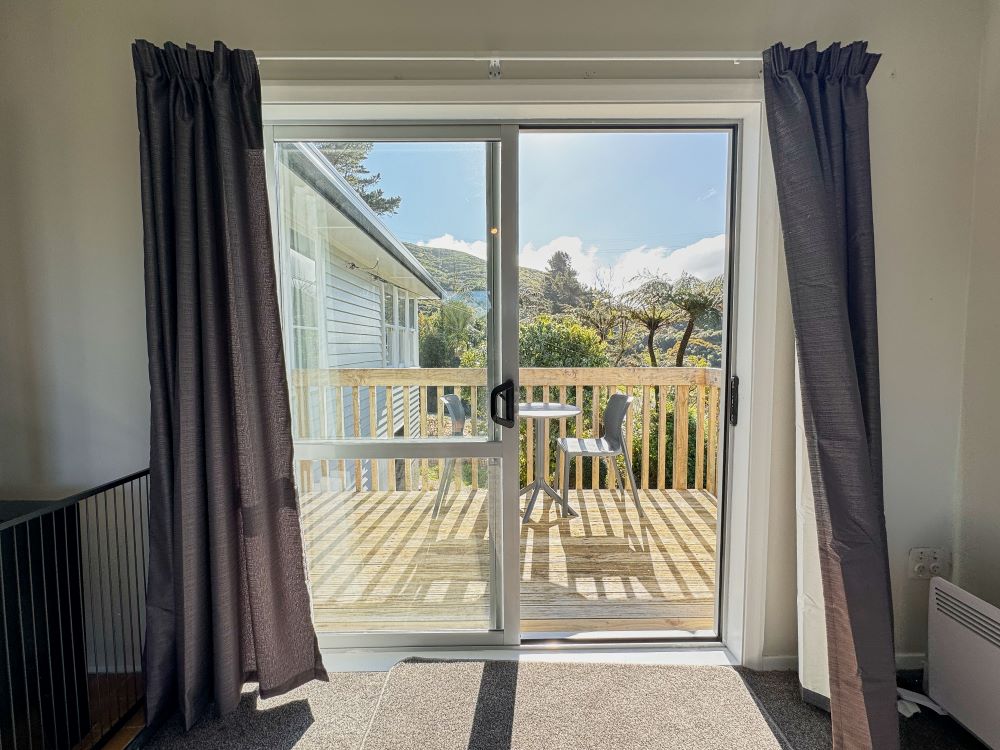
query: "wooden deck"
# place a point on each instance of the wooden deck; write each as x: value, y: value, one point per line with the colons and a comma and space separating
x: 379, y: 562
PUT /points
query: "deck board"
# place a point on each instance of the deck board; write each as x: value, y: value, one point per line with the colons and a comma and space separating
x: 378, y: 561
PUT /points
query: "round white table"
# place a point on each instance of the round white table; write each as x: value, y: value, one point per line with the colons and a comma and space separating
x: 540, y: 411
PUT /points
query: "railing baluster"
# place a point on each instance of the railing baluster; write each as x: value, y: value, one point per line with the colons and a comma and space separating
x: 546, y: 453
x: 134, y: 577
x: 6, y: 642
x: 45, y: 617
x: 324, y: 467
x: 440, y: 428
x: 473, y: 427
x: 20, y: 625
x: 340, y: 429
x: 644, y: 481
x: 595, y: 430
x: 111, y: 600
x: 373, y: 480
x: 661, y: 440
x: 681, y: 437
x: 359, y: 484
x: 123, y: 597
x: 562, y: 434
x: 34, y: 631
x: 390, y: 431
x: 713, y: 438
x: 61, y: 642
x: 627, y: 389
x: 578, y: 474
x: 301, y: 391
x: 529, y: 438
x: 407, y: 463
x: 424, y: 463
x: 699, y: 439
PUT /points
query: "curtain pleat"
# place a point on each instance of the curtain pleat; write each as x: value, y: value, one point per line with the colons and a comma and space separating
x: 228, y: 600
x: 817, y: 118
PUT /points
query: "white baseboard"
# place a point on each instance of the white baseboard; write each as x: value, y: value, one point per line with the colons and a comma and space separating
x: 791, y: 662
x: 780, y: 663
x: 910, y: 660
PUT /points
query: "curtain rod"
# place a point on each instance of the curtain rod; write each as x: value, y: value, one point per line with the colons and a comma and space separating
x: 497, y: 57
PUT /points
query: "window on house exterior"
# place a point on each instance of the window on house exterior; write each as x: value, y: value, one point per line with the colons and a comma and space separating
x: 401, y: 323
x: 305, y: 301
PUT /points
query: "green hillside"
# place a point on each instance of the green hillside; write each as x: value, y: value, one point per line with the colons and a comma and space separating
x: 461, y: 272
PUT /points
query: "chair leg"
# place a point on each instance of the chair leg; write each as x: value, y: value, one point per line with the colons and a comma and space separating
x: 631, y: 481
x: 449, y: 466
x: 565, y: 485
x: 613, y: 460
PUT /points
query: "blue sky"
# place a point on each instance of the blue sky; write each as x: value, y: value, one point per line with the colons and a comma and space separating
x: 618, y: 203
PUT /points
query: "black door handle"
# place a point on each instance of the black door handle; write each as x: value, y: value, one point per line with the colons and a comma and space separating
x: 506, y: 391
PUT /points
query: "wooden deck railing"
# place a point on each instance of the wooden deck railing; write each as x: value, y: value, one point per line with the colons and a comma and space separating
x: 405, y: 402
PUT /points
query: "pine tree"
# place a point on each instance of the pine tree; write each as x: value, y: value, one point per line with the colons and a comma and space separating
x: 348, y: 158
x: 562, y: 288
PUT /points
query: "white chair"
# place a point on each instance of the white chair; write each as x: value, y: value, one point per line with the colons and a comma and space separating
x: 609, y: 445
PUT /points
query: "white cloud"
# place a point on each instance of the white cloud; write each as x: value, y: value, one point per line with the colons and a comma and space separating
x: 449, y: 241
x: 711, y: 192
x: 704, y: 258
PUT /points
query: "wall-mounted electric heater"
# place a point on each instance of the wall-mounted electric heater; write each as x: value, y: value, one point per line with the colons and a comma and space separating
x: 963, y: 659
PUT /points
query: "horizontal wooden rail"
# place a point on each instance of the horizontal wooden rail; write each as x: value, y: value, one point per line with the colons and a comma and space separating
x: 675, y: 411
x: 467, y: 376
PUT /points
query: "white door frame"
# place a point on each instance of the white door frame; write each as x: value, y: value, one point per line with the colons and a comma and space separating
x: 743, y: 554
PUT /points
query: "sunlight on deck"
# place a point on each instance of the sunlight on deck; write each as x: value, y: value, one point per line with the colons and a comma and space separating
x: 379, y: 562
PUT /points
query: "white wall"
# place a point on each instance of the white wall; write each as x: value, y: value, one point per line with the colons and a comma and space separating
x: 73, y: 404
x: 978, y: 559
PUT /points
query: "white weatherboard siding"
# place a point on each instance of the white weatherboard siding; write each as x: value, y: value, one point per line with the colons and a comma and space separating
x: 353, y: 315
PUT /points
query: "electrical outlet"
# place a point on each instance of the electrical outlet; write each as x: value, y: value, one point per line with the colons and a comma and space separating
x: 928, y: 562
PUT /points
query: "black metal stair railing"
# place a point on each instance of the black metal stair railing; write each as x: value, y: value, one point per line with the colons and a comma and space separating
x: 72, y: 616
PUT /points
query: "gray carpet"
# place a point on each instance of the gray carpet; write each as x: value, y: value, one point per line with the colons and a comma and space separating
x: 477, y: 705
x: 507, y: 705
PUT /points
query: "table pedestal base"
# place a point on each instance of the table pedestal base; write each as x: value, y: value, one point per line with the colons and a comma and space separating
x: 540, y: 486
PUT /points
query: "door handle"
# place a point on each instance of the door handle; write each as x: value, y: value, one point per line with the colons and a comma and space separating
x: 506, y: 391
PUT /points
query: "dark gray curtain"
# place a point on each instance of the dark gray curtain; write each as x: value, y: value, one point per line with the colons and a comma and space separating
x: 817, y: 118
x: 228, y: 600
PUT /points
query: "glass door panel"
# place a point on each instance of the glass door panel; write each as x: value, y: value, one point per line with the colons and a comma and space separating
x: 624, y: 234
x: 416, y: 559
x: 388, y: 254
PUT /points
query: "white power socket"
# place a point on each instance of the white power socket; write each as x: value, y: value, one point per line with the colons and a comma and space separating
x: 927, y: 562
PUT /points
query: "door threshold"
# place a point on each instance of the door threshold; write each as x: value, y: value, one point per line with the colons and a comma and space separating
x: 622, y: 636
x: 700, y: 653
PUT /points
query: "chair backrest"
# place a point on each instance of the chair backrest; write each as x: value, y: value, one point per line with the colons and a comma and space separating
x: 614, y: 418
x: 456, y: 410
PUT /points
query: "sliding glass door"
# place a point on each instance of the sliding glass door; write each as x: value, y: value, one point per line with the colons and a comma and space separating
x: 435, y: 277
x: 399, y: 390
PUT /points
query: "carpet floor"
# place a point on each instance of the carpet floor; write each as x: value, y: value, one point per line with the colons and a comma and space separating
x: 505, y: 705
